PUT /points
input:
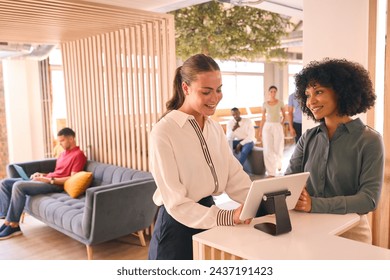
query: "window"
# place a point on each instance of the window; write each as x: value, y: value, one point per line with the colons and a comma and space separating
x: 58, y: 91
x: 292, y: 70
x: 242, y: 84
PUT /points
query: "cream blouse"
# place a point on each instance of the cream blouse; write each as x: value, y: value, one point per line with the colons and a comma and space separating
x: 189, y: 164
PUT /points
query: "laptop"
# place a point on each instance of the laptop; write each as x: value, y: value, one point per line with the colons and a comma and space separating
x: 21, y: 172
x: 293, y: 183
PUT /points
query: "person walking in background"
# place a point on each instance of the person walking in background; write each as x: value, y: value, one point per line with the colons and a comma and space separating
x: 191, y: 161
x: 241, y: 133
x: 271, y: 132
x: 294, y: 117
x: 344, y: 156
x: 13, y: 191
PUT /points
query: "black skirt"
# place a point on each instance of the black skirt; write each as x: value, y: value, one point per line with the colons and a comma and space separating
x: 172, y: 240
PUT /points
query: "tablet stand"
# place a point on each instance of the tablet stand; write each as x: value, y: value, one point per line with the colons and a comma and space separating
x: 275, y: 203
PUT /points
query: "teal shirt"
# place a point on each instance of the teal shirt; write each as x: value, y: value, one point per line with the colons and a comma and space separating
x: 346, y: 172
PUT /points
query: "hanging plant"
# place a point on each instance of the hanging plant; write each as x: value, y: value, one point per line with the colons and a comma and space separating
x: 228, y: 32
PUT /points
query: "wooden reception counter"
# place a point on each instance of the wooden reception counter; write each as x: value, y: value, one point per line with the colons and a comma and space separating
x: 313, y: 237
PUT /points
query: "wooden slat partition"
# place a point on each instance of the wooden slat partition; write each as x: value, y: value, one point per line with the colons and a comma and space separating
x: 117, y: 84
x: 47, y: 100
x: 118, y: 67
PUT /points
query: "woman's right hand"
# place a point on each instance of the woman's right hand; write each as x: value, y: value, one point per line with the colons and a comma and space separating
x: 236, y: 216
x: 304, y: 201
x: 293, y: 133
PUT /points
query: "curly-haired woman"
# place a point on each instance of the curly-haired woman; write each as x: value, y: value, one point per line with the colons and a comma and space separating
x: 343, y: 155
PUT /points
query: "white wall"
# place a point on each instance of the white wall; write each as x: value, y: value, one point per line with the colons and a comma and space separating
x: 23, y: 110
x: 335, y: 29
x: 277, y: 75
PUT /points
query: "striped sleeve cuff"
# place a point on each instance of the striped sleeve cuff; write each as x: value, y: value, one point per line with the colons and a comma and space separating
x: 225, y: 218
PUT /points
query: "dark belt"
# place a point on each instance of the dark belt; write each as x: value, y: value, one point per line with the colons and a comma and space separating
x: 207, y: 201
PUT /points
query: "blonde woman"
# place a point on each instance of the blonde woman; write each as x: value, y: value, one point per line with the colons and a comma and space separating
x: 191, y: 162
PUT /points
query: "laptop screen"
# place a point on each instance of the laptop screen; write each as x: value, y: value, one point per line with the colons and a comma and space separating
x: 21, y: 172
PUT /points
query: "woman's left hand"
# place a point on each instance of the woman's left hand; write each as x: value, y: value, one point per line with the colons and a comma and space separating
x: 304, y: 201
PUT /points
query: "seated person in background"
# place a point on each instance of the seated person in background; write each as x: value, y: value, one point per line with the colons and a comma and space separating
x: 343, y: 155
x: 241, y: 132
x: 13, y: 191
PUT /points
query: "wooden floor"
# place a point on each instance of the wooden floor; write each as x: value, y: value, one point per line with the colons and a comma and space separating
x: 41, y: 242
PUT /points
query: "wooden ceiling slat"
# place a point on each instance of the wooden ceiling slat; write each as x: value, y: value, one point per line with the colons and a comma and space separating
x: 55, y: 21
x: 86, y: 20
x: 45, y: 12
x: 106, y: 8
x: 9, y: 21
x: 76, y: 8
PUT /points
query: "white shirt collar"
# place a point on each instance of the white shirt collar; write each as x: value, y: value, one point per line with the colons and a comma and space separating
x: 181, y: 118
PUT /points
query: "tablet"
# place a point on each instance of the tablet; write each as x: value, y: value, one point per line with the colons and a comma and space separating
x: 293, y: 183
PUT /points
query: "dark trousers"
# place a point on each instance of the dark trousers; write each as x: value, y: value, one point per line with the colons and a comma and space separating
x: 172, y: 240
x: 298, y: 130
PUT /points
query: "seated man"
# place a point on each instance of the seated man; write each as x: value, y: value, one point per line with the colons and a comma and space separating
x: 241, y: 132
x: 13, y: 191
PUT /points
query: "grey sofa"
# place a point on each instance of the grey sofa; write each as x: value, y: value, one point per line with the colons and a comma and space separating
x: 254, y: 165
x: 118, y: 203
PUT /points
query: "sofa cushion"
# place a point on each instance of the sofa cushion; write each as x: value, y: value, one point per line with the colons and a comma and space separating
x: 255, y: 162
x: 78, y: 183
x: 60, y: 211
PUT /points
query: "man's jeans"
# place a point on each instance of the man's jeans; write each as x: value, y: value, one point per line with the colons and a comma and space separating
x: 245, y: 151
x: 13, y: 193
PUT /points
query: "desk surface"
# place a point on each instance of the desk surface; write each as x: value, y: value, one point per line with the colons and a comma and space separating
x: 313, y: 236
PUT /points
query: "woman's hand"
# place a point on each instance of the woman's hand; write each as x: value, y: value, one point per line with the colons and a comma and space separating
x: 304, y: 201
x: 293, y: 133
x: 236, y: 217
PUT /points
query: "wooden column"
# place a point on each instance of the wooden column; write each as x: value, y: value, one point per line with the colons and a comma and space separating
x: 384, y: 220
x: 380, y: 218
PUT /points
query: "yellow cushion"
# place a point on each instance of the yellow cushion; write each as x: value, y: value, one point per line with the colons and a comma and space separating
x: 78, y: 183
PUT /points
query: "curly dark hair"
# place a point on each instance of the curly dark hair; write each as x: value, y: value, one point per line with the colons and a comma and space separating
x: 349, y: 80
